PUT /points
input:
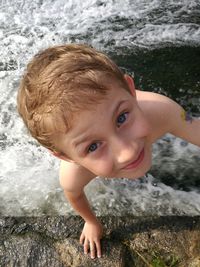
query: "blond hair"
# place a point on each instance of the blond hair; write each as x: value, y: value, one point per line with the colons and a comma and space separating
x: 59, y: 82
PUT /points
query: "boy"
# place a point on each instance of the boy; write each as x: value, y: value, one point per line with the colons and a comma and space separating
x: 78, y: 104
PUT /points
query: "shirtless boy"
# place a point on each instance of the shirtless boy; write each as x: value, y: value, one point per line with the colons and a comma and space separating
x: 78, y: 104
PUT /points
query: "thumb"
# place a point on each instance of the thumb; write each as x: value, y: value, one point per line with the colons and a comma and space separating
x: 82, y: 238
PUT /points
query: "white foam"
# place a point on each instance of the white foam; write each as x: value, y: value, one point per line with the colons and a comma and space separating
x: 141, y: 197
x: 29, y: 175
x: 29, y: 184
x: 153, y: 35
x: 28, y: 26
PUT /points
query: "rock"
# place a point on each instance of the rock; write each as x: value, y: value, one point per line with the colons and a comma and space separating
x: 128, y: 242
x: 71, y: 254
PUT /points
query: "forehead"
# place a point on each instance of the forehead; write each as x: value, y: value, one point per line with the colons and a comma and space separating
x: 85, y: 122
x: 92, y: 118
x: 112, y: 97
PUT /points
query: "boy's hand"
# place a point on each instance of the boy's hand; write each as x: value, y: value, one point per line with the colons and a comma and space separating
x: 90, y: 238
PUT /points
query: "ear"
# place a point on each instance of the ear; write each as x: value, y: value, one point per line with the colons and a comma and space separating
x: 60, y: 155
x: 131, y: 84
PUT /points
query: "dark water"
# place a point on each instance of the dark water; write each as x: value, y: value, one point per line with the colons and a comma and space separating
x: 172, y: 71
x: 158, y: 43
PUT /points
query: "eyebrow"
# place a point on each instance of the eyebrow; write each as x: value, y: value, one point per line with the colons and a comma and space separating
x: 86, y: 138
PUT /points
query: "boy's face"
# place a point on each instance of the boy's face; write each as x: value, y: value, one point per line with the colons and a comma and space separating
x: 111, y: 139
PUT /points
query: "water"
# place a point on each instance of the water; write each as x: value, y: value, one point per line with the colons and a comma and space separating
x: 156, y: 41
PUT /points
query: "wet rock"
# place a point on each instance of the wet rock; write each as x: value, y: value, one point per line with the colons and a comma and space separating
x: 71, y: 254
x: 128, y: 242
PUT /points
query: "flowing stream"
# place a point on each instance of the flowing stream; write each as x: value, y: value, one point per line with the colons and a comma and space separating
x: 158, y: 42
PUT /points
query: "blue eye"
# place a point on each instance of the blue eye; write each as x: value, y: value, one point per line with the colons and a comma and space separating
x: 92, y: 147
x: 122, y: 118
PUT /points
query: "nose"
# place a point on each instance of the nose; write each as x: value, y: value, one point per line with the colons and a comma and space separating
x: 124, y: 151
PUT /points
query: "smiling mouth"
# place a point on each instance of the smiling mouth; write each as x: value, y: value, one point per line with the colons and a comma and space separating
x: 135, y: 163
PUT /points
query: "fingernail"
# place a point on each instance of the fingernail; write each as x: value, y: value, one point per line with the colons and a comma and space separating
x: 99, y: 256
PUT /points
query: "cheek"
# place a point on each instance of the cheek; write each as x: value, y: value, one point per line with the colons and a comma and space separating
x: 100, y: 167
x: 143, y: 127
x: 146, y: 128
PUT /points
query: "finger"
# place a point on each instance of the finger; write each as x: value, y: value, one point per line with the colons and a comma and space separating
x: 92, y: 250
x: 98, y: 248
x: 82, y: 238
x: 86, y: 246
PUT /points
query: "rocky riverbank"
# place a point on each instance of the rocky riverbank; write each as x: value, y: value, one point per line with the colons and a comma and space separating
x: 128, y: 242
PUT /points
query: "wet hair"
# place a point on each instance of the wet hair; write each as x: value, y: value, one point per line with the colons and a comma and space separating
x: 59, y: 82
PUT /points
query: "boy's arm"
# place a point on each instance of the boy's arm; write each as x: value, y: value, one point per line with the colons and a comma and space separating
x: 186, y: 127
x: 92, y: 231
x: 179, y: 122
x: 73, y: 178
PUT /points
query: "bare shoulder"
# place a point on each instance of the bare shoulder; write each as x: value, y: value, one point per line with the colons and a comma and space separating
x: 74, y: 177
x: 170, y: 117
x: 151, y: 98
x: 157, y: 108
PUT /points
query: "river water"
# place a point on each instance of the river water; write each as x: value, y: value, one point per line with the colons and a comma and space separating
x: 158, y: 42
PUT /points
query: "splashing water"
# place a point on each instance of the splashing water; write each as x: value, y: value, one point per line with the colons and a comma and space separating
x: 29, y: 175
